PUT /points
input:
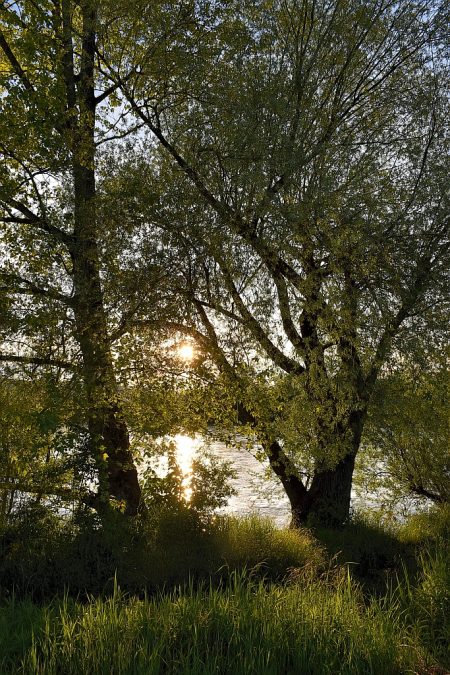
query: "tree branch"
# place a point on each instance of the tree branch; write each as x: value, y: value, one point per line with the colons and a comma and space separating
x: 286, y: 318
x: 66, y: 494
x: 114, y: 87
x: 32, y: 288
x: 278, y: 357
x: 15, y: 63
x: 37, y: 361
x: 231, y: 218
x: 418, y: 284
x: 419, y: 489
x: 30, y: 218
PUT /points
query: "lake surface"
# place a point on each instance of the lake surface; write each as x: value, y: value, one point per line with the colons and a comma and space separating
x: 255, y: 493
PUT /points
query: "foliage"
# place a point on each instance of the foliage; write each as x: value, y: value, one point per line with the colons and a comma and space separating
x: 40, y: 443
x: 201, y: 490
x: 283, y: 209
x: 427, y: 526
x: 42, y: 555
x: 30, y: 544
x: 213, y: 598
x: 300, y: 186
x: 407, y: 437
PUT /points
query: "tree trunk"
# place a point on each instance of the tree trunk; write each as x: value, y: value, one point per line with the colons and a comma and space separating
x: 326, y: 502
x: 110, y: 444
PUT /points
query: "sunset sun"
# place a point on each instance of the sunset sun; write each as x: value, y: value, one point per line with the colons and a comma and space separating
x: 186, y: 352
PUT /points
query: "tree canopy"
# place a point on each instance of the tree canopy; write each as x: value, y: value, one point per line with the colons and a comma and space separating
x: 301, y: 180
x: 281, y: 200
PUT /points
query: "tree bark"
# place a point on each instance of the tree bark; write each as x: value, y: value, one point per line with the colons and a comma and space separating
x: 326, y: 502
x: 110, y: 444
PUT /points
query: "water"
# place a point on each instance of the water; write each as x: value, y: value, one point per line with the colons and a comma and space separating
x: 257, y: 490
x: 255, y: 493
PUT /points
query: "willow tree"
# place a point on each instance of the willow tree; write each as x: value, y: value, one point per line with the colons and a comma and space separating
x: 407, y: 439
x: 54, y: 115
x: 302, y: 173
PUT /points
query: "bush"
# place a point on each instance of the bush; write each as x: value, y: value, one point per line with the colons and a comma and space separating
x: 256, y: 542
x: 179, y: 547
x: 426, y: 526
x: 44, y: 555
x: 206, y: 488
x: 30, y: 545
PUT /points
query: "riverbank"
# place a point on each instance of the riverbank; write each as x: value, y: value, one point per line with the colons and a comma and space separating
x: 281, y: 602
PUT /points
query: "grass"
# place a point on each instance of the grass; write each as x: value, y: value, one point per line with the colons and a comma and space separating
x: 237, y: 597
x: 165, y: 552
x: 375, y: 553
x: 248, y: 627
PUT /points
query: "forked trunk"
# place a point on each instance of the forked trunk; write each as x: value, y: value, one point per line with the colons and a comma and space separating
x: 326, y: 502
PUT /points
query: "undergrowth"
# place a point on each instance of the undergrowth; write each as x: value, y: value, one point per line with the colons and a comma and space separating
x: 231, y: 596
x: 247, y: 627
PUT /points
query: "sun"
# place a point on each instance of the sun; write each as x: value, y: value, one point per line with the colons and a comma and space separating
x: 186, y: 352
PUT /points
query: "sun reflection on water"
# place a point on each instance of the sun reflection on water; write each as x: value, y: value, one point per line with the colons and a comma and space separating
x: 185, y: 453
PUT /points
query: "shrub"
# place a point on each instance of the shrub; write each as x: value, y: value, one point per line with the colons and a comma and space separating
x: 206, y: 488
x: 426, y: 526
x: 256, y: 542
x: 30, y: 545
x: 45, y: 555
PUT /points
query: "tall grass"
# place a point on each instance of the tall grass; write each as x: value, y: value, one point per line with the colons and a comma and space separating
x: 164, y: 551
x: 238, y: 597
x: 246, y: 628
x: 426, y: 603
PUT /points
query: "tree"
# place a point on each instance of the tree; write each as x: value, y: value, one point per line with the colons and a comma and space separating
x: 407, y: 439
x: 53, y: 104
x: 303, y: 220
x: 41, y: 452
x: 302, y: 181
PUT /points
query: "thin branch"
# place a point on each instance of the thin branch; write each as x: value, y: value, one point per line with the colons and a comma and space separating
x: 285, y: 310
x: 110, y: 90
x: 119, y: 136
x: 278, y: 357
x: 37, y: 361
x: 30, y: 218
x: 66, y: 494
x: 21, y: 74
x: 32, y: 288
x: 233, y: 219
x: 221, y: 310
x: 213, y: 342
x: 418, y: 284
x: 422, y: 168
